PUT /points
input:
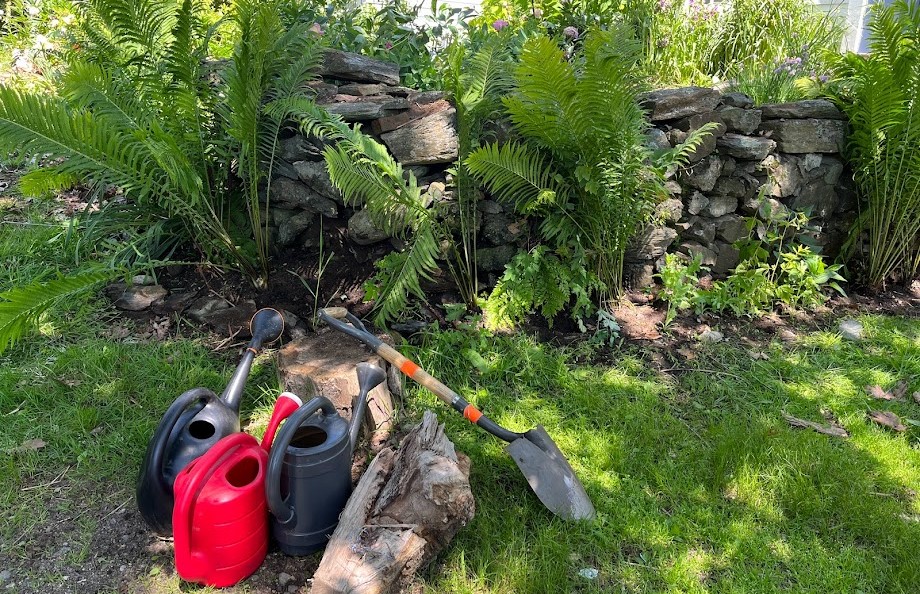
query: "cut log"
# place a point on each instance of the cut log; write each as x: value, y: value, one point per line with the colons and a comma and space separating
x: 407, y: 507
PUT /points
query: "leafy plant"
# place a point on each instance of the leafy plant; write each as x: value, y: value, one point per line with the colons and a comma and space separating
x: 583, y: 165
x: 880, y: 92
x: 140, y: 110
x: 679, y: 281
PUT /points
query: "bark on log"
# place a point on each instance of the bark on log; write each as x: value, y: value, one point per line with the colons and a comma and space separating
x: 407, y: 507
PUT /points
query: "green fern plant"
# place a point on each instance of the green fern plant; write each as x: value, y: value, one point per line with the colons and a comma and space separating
x: 137, y: 111
x: 583, y: 165
x: 880, y: 92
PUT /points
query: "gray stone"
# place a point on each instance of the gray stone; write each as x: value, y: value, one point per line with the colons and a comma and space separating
x: 826, y: 167
x: 670, y: 104
x: 851, y: 329
x: 673, y: 188
x: 489, y: 207
x: 652, y: 243
x: 361, y: 109
x: 737, y: 100
x: 697, y: 203
x: 362, y: 90
x: 821, y: 109
x: 727, y: 257
x: 711, y: 336
x: 290, y: 228
x: 232, y: 321
x: 807, y: 136
x: 731, y: 228
x: 425, y: 97
x: 323, y: 91
x: 315, y: 175
x: 201, y: 308
x: 494, y: 259
x: 283, y: 169
x: 670, y: 211
x: 785, y: 176
x: 744, y: 121
x: 745, y: 147
x: 657, y: 139
x: 298, y: 148
x: 702, y: 175
x: 720, y: 205
x: 734, y: 185
x: 693, y: 249
x: 284, y: 579
x: 817, y: 199
x: 293, y: 194
x: 676, y: 136
x: 432, y: 139
x: 500, y: 229
x: 765, y: 208
x: 697, y: 121
x: 349, y: 66
x: 701, y: 229
x: 729, y: 165
x: 135, y: 297
x: 361, y: 229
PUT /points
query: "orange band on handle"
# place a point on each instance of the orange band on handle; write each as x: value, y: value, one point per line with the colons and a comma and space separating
x: 409, y: 368
x: 252, y: 350
x: 471, y: 413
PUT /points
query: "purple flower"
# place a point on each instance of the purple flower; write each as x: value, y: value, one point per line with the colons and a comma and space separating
x: 500, y: 24
x: 823, y: 78
x: 664, y: 5
x: 388, y: 45
x: 570, y: 32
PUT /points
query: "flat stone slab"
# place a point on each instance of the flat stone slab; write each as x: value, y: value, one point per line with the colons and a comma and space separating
x: 135, y: 297
x: 432, y: 139
x: 324, y: 364
x: 670, y: 104
x: 807, y: 136
x: 358, y: 68
x: 800, y: 110
x: 754, y: 148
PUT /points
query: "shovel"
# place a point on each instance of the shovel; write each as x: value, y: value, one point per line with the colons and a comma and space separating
x: 546, y: 469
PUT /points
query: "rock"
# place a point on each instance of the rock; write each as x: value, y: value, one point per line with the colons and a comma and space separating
x: 361, y: 229
x: 501, y: 228
x: 316, y: 176
x: 362, y: 90
x: 817, y: 199
x: 290, y: 228
x: 416, y: 111
x: 702, y: 175
x: 821, y: 109
x: 203, y: 307
x: 489, y: 207
x: 673, y: 188
x: 697, y: 121
x: 745, y: 147
x: 807, y: 136
x: 697, y: 203
x: 729, y: 165
x: 360, y: 109
x: 432, y: 139
x: 232, y: 321
x: 701, y: 229
x: 711, y: 336
x: 657, y: 139
x: 765, y: 208
x: 785, y: 176
x: 670, y: 211
x: 651, y: 243
x: 174, y: 303
x: 349, y: 66
x: 737, y: 100
x: 851, y: 329
x: 324, y: 363
x: 670, y: 104
x: 731, y: 227
x: 143, y: 279
x: 324, y: 91
x: 284, y: 169
x: 693, y: 249
x: 494, y: 259
x: 814, y: 166
x: 727, y: 257
x: 720, y: 205
x: 5, y: 575
x: 298, y: 148
x: 135, y: 297
x: 740, y: 186
x: 589, y: 573
x: 424, y: 97
x: 284, y: 579
x: 292, y: 194
x: 743, y: 121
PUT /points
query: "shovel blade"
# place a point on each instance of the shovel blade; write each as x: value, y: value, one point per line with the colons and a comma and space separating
x: 550, y: 475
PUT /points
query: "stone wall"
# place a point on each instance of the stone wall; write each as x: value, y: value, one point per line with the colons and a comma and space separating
x: 759, y: 161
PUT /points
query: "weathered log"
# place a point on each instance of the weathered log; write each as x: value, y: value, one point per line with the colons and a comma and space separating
x: 407, y: 507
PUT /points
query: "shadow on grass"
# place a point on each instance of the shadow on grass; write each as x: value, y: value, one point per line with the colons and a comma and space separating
x: 699, y: 484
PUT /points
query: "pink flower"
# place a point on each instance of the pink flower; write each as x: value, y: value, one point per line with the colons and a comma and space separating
x: 500, y: 24
x: 388, y: 45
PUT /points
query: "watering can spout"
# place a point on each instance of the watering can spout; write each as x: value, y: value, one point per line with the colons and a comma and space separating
x: 266, y: 327
x: 369, y: 377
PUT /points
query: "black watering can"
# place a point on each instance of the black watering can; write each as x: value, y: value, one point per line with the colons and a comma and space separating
x: 308, y: 480
x: 193, y: 423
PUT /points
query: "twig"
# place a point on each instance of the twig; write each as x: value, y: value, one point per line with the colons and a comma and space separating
x: 15, y: 410
x: 226, y: 342
x: 116, y: 510
x: 53, y: 482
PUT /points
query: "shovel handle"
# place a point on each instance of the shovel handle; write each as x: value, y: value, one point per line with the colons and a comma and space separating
x: 409, y: 368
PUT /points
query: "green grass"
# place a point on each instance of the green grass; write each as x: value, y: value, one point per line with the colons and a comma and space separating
x: 699, y: 484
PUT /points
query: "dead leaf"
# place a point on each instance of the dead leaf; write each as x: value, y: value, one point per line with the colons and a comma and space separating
x: 29, y: 445
x: 833, y: 429
x: 758, y: 355
x: 899, y: 390
x: 878, y: 393
x: 686, y: 353
x: 887, y: 419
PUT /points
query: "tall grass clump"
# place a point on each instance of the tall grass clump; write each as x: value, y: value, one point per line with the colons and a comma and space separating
x: 880, y: 93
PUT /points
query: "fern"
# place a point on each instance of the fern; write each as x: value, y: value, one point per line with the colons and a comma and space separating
x: 21, y: 308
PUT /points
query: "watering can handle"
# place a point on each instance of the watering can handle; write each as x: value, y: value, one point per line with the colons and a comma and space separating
x: 283, y: 512
x: 200, y: 470
x: 472, y: 414
x: 165, y: 428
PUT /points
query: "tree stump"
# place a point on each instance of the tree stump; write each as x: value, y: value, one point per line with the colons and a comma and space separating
x: 407, y: 507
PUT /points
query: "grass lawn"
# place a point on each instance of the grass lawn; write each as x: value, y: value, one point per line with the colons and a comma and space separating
x: 699, y: 483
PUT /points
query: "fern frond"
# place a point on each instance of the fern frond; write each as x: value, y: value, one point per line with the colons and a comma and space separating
x: 402, y: 272
x: 46, y: 181
x: 517, y: 174
x: 21, y: 308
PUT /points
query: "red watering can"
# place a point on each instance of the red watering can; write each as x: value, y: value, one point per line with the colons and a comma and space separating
x: 220, y: 518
